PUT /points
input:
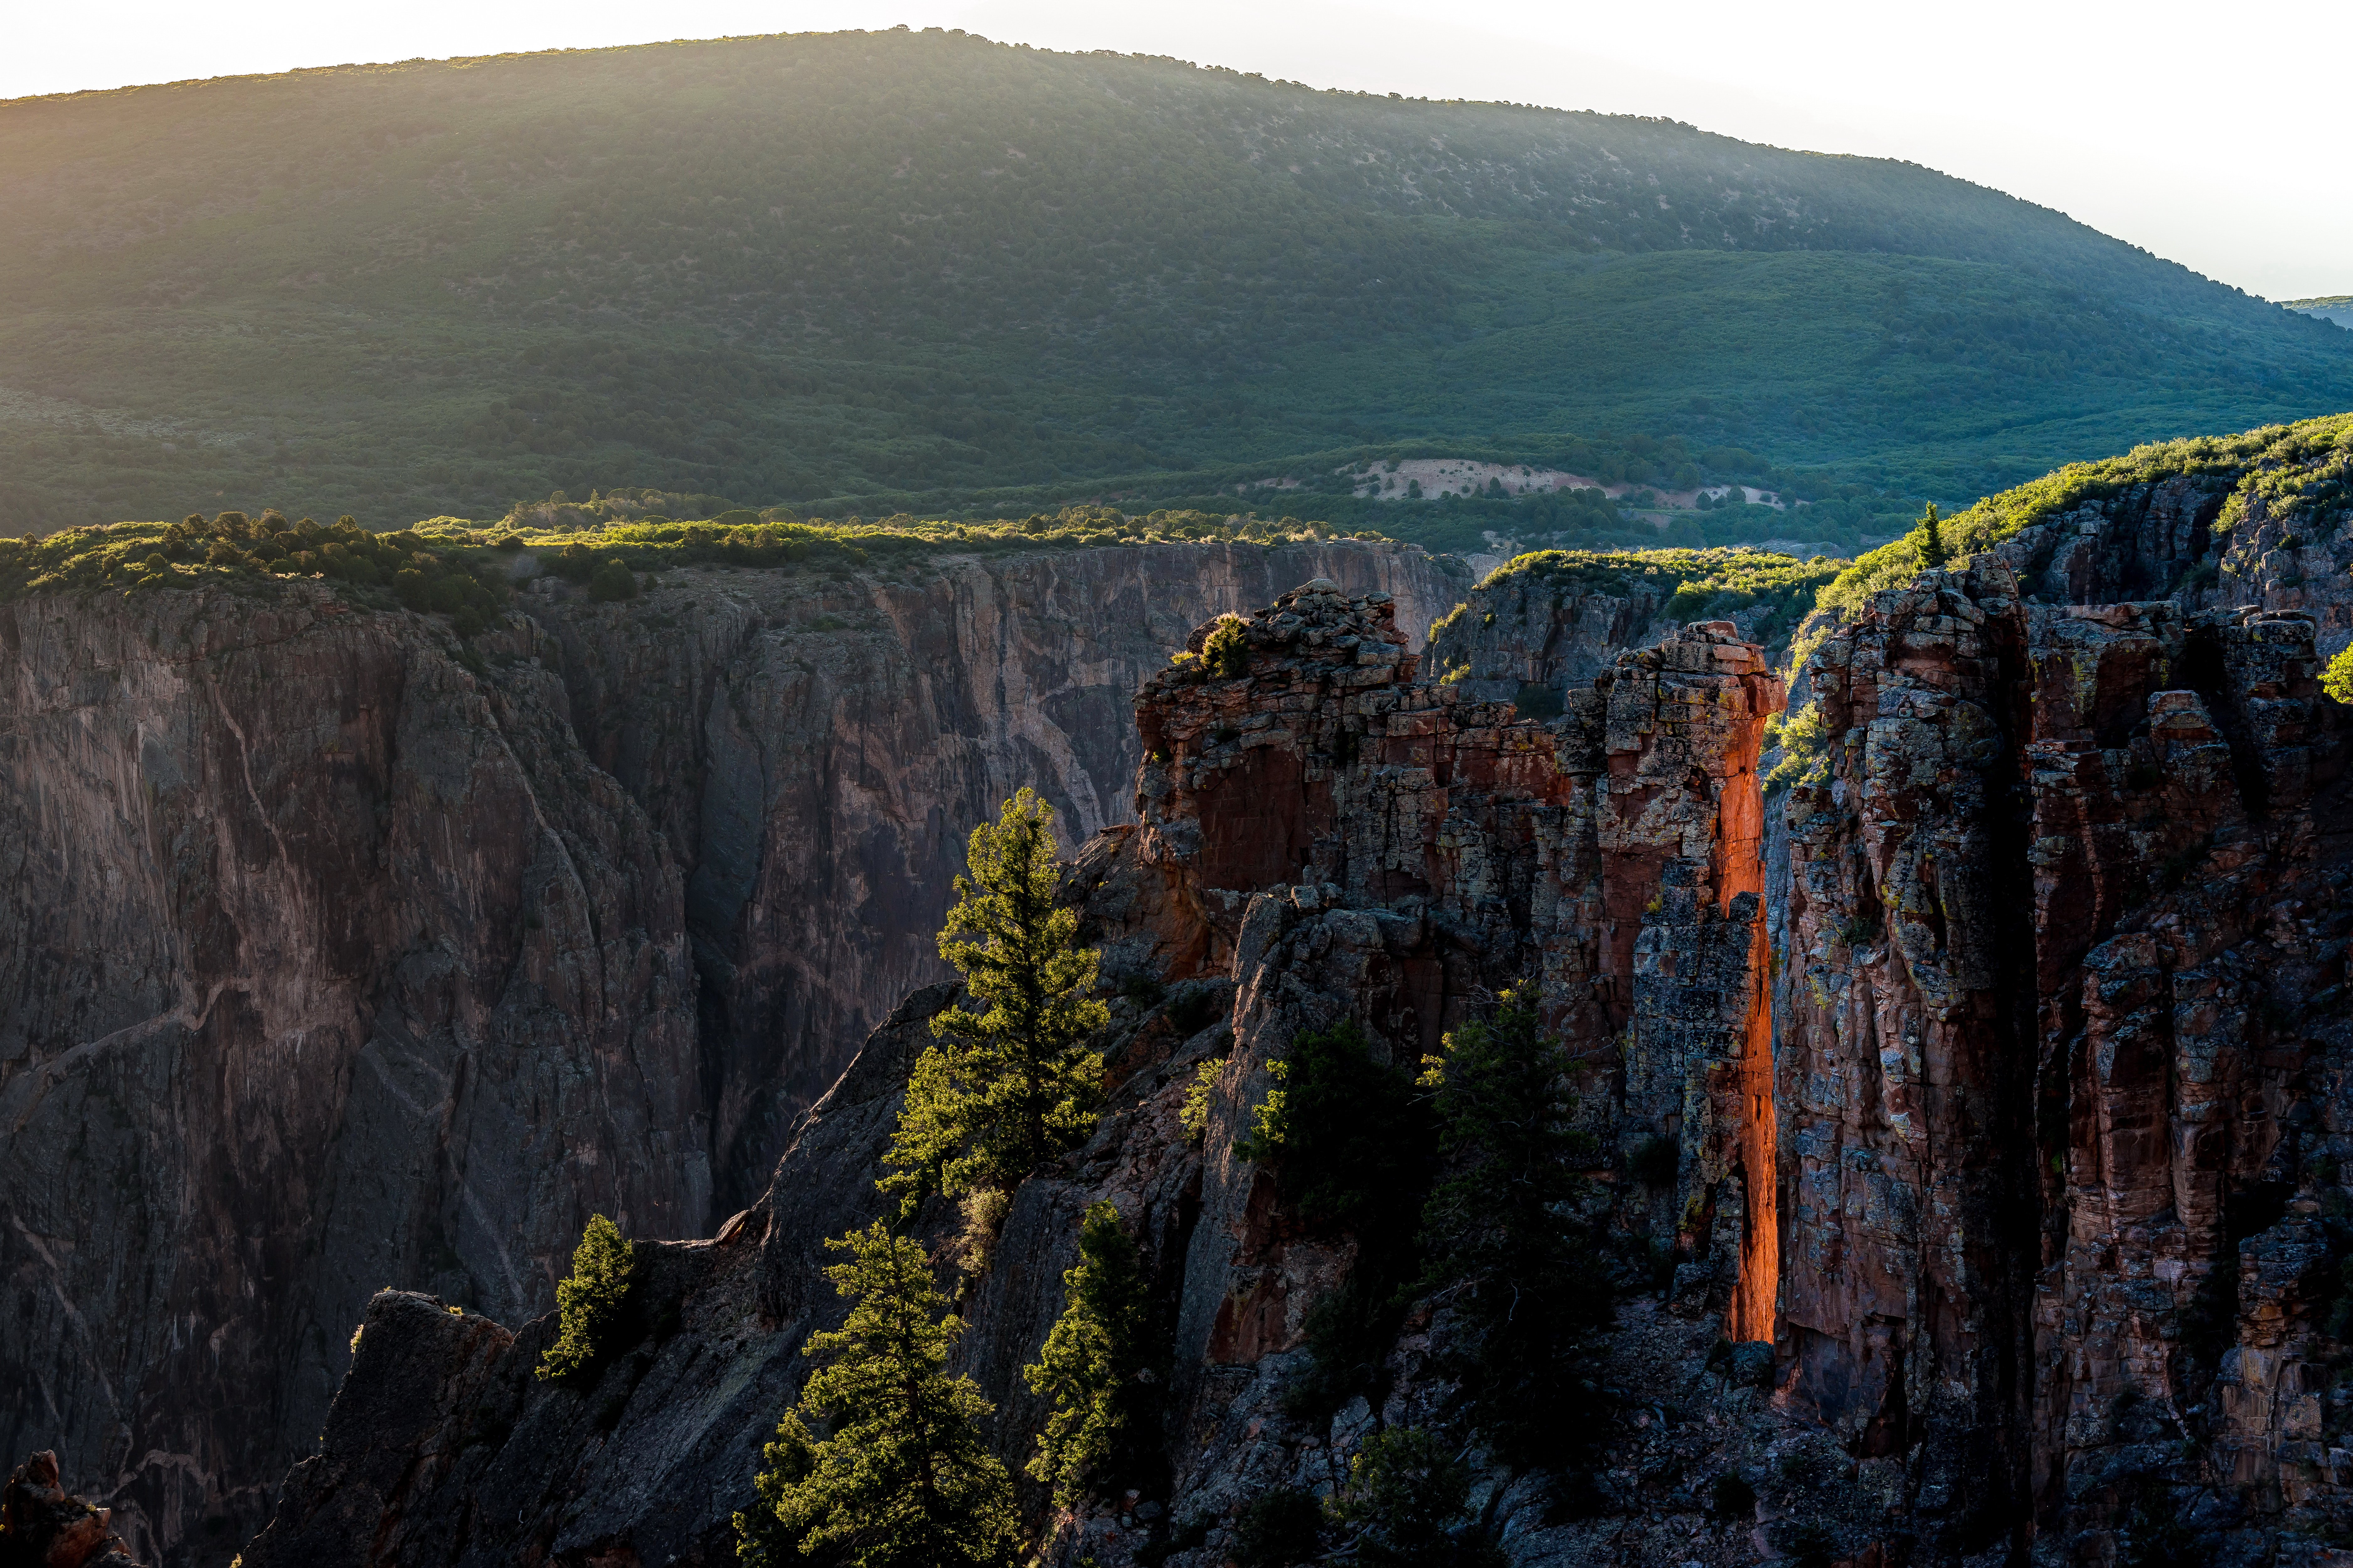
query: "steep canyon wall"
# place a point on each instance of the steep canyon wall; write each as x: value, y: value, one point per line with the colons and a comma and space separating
x: 335, y: 955
x: 1970, y: 1121
x: 2000, y: 1066
x: 2062, y: 1025
x: 1322, y: 837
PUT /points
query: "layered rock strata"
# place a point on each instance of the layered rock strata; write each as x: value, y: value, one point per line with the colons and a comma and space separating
x: 1394, y: 853
x: 333, y: 954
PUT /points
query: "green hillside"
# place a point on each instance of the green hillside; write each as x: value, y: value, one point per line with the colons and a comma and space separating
x: 865, y: 273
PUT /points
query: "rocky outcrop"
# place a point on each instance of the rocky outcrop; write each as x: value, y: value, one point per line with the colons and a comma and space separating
x: 2272, y: 533
x: 1519, y: 629
x: 1399, y: 852
x: 43, y: 1527
x: 1553, y: 621
x: 2071, y: 887
x: 335, y: 954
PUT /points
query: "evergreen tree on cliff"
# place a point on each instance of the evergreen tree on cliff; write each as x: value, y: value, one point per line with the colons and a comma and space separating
x: 901, y: 1478
x: 1013, y: 1084
x: 1934, y: 551
x: 1506, y: 1250
x: 1091, y: 1359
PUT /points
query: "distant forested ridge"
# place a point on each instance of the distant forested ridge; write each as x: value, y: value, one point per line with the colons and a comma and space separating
x: 874, y: 272
x: 2336, y: 307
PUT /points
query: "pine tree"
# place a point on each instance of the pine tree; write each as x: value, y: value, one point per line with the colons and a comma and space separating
x: 1504, y: 1244
x: 589, y: 1304
x: 1934, y: 552
x: 1010, y: 1087
x: 1091, y: 1359
x: 901, y: 1478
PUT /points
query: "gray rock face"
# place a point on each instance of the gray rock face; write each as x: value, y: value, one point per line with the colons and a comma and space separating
x: 329, y: 962
x: 815, y: 754
x: 1530, y: 627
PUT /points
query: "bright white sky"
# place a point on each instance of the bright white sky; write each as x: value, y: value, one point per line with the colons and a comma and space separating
x: 2212, y: 134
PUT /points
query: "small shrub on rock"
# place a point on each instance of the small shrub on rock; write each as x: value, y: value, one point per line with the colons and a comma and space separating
x: 612, y: 583
x: 1195, y: 1115
x: 1226, y: 651
x: 1406, y: 1494
x: 2337, y: 679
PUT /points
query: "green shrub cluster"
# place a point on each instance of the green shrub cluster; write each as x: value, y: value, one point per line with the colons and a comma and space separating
x: 455, y: 568
x: 1408, y: 1496
x: 1226, y: 654
x: 1193, y: 1116
x: 1339, y: 1130
x: 778, y: 539
x: 1804, y: 741
x: 424, y: 572
x: 2338, y: 679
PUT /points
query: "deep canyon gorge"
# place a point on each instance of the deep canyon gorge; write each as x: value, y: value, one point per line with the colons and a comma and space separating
x: 1977, y: 1095
x: 332, y: 963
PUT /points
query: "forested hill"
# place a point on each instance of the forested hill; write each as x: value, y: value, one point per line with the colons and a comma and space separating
x: 865, y: 271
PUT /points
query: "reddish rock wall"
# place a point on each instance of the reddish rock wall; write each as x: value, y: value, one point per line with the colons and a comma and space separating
x: 2054, y: 1079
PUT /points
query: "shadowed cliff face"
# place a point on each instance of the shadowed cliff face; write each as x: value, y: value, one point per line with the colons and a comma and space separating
x: 329, y: 962
x: 815, y: 753
x: 326, y: 962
